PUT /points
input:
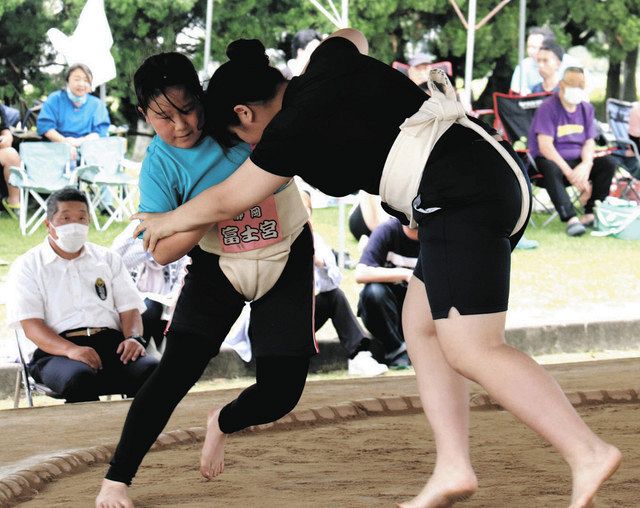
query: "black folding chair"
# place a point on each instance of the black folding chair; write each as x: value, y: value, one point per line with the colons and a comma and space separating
x: 29, y: 384
x: 513, y: 117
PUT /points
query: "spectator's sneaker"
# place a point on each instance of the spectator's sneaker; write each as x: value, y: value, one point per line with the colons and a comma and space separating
x: 364, y: 365
x: 400, y: 362
x: 527, y: 244
x: 576, y: 229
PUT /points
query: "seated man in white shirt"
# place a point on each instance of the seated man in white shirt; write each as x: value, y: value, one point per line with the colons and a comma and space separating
x: 76, y: 301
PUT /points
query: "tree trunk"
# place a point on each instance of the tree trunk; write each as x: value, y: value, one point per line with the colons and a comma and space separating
x: 629, y: 77
x: 613, y: 80
x: 499, y: 81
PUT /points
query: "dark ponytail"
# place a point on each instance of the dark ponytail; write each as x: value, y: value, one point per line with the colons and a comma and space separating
x: 246, y: 78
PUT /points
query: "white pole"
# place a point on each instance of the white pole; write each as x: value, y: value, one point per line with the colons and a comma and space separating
x: 207, y: 39
x: 345, y: 13
x: 468, y: 66
x: 521, y: 36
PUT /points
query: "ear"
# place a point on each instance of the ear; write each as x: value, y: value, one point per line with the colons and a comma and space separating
x: 245, y: 114
x: 142, y: 115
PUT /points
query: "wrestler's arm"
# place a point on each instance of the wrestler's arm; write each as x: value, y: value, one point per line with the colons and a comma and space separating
x: 174, y: 247
x: 367, y: 274
x: 247, y: 186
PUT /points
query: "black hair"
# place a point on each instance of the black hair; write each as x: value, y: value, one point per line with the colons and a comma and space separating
x: 64, y: 195
x: 545, y: 31
x: 554, y: 47
x: 247, y: 78
x: 302, y: 39
x: 78, y: 66
x: 164, y: 70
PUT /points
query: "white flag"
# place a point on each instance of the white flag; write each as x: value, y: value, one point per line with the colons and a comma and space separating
x: 90, y: 43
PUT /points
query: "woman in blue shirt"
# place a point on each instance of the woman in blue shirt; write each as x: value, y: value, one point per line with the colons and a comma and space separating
x: 73, y: 115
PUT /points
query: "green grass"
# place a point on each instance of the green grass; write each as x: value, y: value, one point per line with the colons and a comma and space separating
x: 563, y: 272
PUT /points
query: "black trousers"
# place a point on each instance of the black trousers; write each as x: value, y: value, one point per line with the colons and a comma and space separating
x: 77, y: 382
x: 555, y: 183
x: 380, y: 307
x: 335, y: 306
x: 279, y: 384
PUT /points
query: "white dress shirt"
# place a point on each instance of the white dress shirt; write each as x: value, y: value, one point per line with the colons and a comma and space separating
x: 88, y: 291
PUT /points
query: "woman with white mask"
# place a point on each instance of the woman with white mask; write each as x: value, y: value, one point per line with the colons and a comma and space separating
x: 561, y: 140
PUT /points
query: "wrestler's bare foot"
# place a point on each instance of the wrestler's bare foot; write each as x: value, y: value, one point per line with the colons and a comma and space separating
x: 444, y: 489
x: 593, y: 471
x: 113, y: 495
x: 212, y: 457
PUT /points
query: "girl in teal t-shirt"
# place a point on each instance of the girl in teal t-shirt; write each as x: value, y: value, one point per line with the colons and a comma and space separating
x: 180, y: 163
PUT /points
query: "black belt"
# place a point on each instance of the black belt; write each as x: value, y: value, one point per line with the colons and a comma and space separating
x: 85, y: 332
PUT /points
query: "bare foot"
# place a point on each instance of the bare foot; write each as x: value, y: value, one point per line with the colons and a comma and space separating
x: 444, y: 490
x: 592, y: 473
x: 113, y: 495
x: 212, y: 456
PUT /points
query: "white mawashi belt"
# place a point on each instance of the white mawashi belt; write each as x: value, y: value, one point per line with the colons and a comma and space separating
x: 418, y: 135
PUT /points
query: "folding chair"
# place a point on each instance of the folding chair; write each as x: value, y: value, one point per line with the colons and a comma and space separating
x: 105, y: 182
x: 29, y: 384
x: 618, y: 121
x: 513, y: 117
x: 45, y: 168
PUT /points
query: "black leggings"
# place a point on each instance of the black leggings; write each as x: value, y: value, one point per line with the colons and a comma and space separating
x: 279, y: 384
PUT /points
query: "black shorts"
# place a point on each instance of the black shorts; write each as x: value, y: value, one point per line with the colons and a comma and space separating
x: 281, y: 320
x: 465, y: 246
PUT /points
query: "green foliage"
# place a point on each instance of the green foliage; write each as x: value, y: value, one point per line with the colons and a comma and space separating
x: 143, y: 27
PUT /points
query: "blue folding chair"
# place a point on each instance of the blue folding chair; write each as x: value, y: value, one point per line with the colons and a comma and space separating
x: 45, y: 168
x: 105, y: 181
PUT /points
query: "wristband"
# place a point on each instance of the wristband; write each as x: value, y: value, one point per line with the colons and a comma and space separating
x: 139, y: 338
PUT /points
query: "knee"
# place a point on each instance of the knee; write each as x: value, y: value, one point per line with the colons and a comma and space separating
x: 284, y: 403
x: 373, y: 294
x: 82, y: 386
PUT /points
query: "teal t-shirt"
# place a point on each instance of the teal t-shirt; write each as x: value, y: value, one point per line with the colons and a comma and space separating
x: 171, y: 176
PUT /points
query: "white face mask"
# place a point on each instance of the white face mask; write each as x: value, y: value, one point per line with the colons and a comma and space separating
x: 574, y: 95
x: 71, y: 237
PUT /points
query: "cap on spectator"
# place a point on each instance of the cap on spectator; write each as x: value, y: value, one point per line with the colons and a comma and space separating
x: 419, y: 59
x: 554, y: 47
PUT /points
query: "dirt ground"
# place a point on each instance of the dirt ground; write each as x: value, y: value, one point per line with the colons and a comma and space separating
x: 369, y: 462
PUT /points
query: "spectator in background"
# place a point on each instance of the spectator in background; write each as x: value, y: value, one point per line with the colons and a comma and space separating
x: 331, y: 303
x: 529, y: 67
x: 548, y: 59
x: 526, y: 75
x: 385, y: 268
x: 74, y: 116
x: 561, y: 140
x: 303, y: 44
x: 159, y: 285
x: 76, y: 301
x: 418, y: 70
x: 8, y: 157
x: 365, y: 215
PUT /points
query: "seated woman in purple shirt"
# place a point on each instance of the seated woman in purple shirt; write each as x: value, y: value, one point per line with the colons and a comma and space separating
x: 561, y: 140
